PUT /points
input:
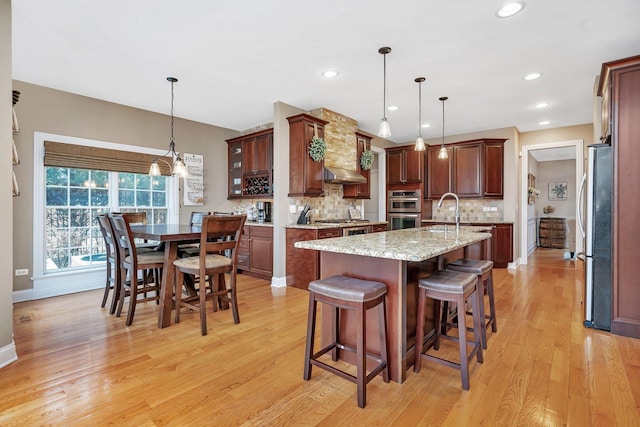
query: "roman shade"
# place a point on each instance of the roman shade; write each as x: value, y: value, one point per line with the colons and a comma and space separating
x: 57, y: 154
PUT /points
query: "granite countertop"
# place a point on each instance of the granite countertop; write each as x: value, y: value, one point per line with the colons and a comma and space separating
x: 324, y: 225
x: 440, y: 221
x: 259, y: 224
x: 410, y: 244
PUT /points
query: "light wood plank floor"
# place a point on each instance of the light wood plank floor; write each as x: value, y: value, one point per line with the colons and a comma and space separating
x: 78, y: 365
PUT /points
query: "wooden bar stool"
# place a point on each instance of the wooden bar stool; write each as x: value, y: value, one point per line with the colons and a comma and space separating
x: 484, y: 270
x: 348, y: 293
x: 452, y: 287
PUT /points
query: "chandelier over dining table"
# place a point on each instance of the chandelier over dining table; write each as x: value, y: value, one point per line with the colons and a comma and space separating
x: 177, y: 167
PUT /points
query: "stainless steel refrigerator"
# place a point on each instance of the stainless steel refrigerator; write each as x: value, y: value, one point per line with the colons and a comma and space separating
x: 596, y: 228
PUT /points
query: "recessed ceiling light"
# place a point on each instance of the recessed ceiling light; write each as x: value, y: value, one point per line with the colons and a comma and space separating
x: 510, y: 9
x: 392, y: 107
x: 532, y: 76
x: 426, y: 125
x: 544, y: 122
x: 541, y: 105
x: 330, y: 74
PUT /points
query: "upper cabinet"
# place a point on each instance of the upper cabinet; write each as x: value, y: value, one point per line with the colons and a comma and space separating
x: 360, y: 191
x: 405, y: 166
x: 474, y: 169
x: 305, y: 174
x: 439, y: 173
x: 251, y: 165
x: 493, y: 169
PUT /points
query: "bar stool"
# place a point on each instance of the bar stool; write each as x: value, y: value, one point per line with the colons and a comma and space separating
x: 484, y: 270
x: 452, y: 287
x: 341, y: 292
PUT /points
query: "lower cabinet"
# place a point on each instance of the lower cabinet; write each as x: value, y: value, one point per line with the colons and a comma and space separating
x: 303, y: 265
x: 255, y: 252
x: 498, y: 249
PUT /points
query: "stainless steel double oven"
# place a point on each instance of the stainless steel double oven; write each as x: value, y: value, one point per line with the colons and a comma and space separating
x: 403, y: 208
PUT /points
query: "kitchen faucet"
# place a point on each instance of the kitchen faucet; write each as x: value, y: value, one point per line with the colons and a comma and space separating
x: 457, y: 208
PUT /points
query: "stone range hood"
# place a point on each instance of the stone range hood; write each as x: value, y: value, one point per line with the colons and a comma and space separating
x: 341, y: 163
x: 334, y: 175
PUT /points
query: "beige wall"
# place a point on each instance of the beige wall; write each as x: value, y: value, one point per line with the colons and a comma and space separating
x: 7, y: 350
x: 557, y: 171
x: 47, y: 110
x: 568, y: 133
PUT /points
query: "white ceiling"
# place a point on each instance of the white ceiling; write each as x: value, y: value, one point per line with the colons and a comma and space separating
x: 234, y: 59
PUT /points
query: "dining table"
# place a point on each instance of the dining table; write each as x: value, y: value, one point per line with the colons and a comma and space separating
x: 171, y: 235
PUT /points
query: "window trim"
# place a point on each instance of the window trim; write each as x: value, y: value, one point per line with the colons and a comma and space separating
x: 60, y: 283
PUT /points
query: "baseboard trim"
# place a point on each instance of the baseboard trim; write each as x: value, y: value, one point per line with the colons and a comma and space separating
x: 8, y: 354
x: 513, y: 265
x: 24, y: 295
x: 278, y: 282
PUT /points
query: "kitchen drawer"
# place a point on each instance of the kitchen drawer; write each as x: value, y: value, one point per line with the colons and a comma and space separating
x: 243, y: 261
x: 378, y: 227
x: 329, y: 232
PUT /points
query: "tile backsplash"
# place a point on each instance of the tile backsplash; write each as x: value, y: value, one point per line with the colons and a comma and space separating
x: 471, y: 210
x: 331, y: 206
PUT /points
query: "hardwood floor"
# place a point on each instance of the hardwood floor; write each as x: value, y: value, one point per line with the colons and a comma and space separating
x: 78, y: 365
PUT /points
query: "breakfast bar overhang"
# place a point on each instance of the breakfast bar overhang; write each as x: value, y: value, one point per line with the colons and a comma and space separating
x: 397, y: 258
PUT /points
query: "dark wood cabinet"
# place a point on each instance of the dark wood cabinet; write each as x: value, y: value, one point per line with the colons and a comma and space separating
x: 235, y: 169
x: 251, y: 165
x: 474, y: 169
x: 467, y: 170
x: 439, y: 173
x: 303, y: 265
x: 377, y: 228
x: 493, y: 169
x: 258, y: 153
x: 405, y: 166
x: 305, y: 174
x: 360, y: 191
x: 255, y: 252
x: 498, y: 249
x: 620, y: 91
x: 502, y: 245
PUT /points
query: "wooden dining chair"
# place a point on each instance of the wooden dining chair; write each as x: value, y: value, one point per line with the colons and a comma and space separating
x: 192, y: 249
x: 219, y: 242
x: 140, y: 218
x: 113, y: 261
x: 131, y: 262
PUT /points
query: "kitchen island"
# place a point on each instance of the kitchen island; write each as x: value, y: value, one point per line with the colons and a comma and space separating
x: 398, y: 259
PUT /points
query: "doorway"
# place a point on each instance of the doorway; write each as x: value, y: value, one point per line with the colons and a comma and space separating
x: 576, y: 149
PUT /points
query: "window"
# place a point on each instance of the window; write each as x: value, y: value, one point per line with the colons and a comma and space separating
x: 68, y: 248
x: 73, y: 200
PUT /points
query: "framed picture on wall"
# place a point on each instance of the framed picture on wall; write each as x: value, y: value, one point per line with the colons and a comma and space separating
x: 558, y: 191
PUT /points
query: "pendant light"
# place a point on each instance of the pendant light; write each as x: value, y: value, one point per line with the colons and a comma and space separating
x: 178, y: 167
x: 442, y: 154
x: 420, y: 142
x: 384, y: 131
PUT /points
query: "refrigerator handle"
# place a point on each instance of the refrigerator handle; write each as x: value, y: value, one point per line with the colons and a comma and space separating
x: 580, y: 207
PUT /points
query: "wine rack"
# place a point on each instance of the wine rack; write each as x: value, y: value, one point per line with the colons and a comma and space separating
x: 257, y: 185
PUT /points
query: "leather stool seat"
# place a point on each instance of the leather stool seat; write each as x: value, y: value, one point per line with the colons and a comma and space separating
x: 474, y: 266
x: 449, y: 286
x: 341, y: 292
x: 483, y: 269
x: 348, y: 288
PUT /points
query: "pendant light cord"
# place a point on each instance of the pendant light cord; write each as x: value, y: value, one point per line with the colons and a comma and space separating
x: 443, y: 122
x: 384, y: 86
x: 420, y: 109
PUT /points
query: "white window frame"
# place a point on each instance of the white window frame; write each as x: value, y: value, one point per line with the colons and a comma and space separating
x: 59, y: 283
